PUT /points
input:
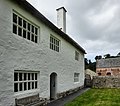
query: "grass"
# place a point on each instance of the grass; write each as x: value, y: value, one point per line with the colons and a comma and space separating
x: 97, y: 97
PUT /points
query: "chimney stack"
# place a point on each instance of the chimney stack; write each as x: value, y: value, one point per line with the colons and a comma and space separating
x: 61, y: 18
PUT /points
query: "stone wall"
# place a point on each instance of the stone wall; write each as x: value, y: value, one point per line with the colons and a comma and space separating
x: 106, y: 82
x: 68, y: 92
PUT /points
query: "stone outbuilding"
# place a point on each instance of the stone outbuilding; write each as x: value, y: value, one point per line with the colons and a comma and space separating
x: 108, y: 67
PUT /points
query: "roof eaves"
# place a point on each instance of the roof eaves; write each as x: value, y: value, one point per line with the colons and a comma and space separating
x: 28, y: 7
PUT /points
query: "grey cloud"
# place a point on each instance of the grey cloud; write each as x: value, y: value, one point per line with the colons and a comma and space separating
x: 108, y: 32
x: 94, y: 24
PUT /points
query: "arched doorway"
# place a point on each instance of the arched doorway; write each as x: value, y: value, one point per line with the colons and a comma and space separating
x: 53, y: 86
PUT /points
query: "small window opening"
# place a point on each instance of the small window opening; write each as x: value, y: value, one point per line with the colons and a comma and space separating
x: 109, y: 74
x: 99, y: 74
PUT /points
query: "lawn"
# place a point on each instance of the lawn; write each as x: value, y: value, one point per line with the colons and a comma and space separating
x: 97, y: 97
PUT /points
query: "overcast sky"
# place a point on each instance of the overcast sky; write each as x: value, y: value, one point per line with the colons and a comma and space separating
x: 94, y: 24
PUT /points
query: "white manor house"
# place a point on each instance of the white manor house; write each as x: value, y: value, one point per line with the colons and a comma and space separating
x: 36, y: 57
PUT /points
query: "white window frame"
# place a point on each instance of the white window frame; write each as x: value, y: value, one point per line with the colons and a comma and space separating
x: 77, y: 55
x: 20, y: 81
x: 27, y: 30
x: 54, y: 43
x: 76, y: 77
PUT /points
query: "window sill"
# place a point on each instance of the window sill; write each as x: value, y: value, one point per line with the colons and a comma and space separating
x: 22, y: 94
x: 76, y: 82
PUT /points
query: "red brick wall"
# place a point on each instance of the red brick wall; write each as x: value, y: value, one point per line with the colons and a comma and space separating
x: 108, y: 71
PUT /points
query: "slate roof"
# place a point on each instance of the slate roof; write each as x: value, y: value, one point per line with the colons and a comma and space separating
x: 108, y: 63
x: 29, y: 8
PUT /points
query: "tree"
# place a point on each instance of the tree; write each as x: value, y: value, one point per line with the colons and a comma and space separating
x: 90, y: 62
x: 90, y: 65
x: 98, y: 57
x: 86, y: 61
x: 107, y: 56
x: 118, y: 54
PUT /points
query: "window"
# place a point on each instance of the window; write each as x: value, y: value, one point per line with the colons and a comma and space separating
x: 24, y: 28
x: 109, y: 74
x: 54, y: 44
x: 76, y: 77
x: 76, y: 55
x: 99, y: 74
x: 25, y: 81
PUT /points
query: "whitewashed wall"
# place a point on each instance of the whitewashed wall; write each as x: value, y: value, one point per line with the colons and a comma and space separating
x: 17, y: 53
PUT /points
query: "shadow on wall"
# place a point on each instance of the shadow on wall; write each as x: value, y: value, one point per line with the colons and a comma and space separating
x: 88, y: 81
x: 89, y: 74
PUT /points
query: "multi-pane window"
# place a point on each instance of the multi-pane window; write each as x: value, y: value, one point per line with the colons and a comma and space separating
x: 76, y: 55
x: 54, y: 44
x: 24, y: 28
x: 76, y: 77
x: 25, y: 81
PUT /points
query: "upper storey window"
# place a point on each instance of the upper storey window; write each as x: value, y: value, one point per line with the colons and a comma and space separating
x: 54, y: 44
x: 76, y: 55
x: 24, y: 28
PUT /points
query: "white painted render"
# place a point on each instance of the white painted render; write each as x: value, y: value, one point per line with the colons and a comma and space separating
x: 17, y: 53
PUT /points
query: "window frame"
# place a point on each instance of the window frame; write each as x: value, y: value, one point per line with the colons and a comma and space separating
x: 77, y: 55
x: 22, y: 29
x: 76, y: 77
x: 33, y: 81
x: 54, y: 43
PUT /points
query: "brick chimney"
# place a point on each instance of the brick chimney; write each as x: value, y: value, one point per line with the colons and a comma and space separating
x: 61, y: 18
